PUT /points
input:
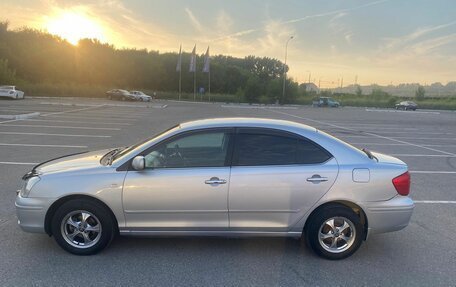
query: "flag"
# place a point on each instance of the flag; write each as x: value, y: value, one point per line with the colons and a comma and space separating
x: 179, y: 60
x: 192, y: 67
x: 207, y: 62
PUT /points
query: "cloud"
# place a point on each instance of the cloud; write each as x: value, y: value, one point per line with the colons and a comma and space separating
x: 194, y: 21
x: 429, y: 45
x: 339, y: 28
x: 418, y: 33
x: 305, y: 18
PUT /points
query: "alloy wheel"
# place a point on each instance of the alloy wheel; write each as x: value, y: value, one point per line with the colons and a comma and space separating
x: 337, y: 234
x: 81, y: 229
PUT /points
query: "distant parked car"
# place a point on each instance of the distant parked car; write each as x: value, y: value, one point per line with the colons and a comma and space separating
x: 326, y: 102
x: 11, y: 92
x: 407, y: 106
x: 118, y: 94
x: 141, y: 96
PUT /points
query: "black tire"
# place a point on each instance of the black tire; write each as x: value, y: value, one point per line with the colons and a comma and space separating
x: 319, y: 218
x: 101, y: 213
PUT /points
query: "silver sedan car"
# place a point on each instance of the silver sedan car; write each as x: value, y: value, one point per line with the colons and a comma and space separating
x: 220, y: 177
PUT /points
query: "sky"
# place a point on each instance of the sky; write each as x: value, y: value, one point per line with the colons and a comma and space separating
x: 334, y: 41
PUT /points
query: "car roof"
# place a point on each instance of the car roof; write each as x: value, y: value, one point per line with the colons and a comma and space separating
x: 245, y: 122
x: 7, y: 87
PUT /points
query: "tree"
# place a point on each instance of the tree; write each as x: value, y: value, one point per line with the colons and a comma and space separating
x: 359, y: 92
x: 253, y: 90
x: 7, y: 76
x: 420, y: 93
x: 37, y: 57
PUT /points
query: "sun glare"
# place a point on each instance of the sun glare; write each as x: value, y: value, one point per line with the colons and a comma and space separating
x: 73, y: 26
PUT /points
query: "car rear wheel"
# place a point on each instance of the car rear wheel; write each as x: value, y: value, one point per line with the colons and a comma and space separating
x: 82, y: 227
x: 334, y: 232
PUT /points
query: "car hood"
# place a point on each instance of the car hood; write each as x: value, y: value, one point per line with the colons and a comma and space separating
x: 72, y: 162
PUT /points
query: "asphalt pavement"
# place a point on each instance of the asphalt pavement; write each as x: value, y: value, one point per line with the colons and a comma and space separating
x: 423, y: 254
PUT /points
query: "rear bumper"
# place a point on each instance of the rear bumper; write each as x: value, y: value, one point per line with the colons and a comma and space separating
x: 389, y: 215
x: 31, y: 213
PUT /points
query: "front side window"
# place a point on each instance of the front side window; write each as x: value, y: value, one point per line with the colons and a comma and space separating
x: 257, y: 149
x: 203, y: 149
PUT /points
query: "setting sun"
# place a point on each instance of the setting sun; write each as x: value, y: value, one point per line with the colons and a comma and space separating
x: 73, y: 26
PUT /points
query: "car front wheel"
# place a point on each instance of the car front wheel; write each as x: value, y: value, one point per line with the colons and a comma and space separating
x: 334, y: 232
x: 82, y: 227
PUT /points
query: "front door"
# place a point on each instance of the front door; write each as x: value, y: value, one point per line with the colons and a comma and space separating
x: 184, y: 185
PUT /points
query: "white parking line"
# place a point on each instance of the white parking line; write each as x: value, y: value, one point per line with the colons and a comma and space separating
x: 72, y: 111
x: 431, y: 172
x: 83, y: 117
x: 417, y: 133
x: 422, y: 155
x: 374, y: 127
x: 77, y: 122
x: 44, y: 145
x: 398, y: 111
x: 401, y: 144
x: 18, y: 163
x: 382, y: 144
x: 435, y: 201
x: 57, y: 135
x: 376, y: 135
x: 9, y: 121
x: 61, y: 127
x: 367, y: 133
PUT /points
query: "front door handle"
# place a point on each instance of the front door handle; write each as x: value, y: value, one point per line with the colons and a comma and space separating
x: 316, y: 178
x: 215, y: 181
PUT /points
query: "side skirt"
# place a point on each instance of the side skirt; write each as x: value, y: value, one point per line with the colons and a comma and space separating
x: 172, y: 233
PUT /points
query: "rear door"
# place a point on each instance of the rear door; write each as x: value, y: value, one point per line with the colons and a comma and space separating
x: 276, y: 178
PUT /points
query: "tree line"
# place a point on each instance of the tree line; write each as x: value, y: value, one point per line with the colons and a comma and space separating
x: 32, y: 56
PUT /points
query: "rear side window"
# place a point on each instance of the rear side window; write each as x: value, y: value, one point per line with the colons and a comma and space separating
x: 258, y: 149
x: 308, y: 152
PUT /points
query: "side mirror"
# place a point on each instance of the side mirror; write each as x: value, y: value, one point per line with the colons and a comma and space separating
x: 138, y: 163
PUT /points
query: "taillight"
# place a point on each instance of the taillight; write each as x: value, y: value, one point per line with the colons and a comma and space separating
x: 402, y: 183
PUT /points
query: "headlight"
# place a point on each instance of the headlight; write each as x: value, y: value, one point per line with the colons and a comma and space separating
x: 25, y: 191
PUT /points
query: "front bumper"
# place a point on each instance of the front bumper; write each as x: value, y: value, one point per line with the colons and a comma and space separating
x: 31, y: 213
x: 389, y: 215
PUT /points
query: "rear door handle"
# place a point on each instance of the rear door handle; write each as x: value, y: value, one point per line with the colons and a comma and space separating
x: 215, y: 181
x: 317, y: 179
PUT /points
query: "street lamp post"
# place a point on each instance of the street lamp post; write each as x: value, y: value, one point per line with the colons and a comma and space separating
x: 284, y: 68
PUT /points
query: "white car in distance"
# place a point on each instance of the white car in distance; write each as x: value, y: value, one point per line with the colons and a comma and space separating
x: 141, y: 96
x: 11, y: 92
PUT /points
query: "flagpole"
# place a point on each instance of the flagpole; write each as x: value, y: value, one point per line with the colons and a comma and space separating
x: 179, y: 69
x: 209, y: 85
x: 180, y: 83
x: 194, y: 84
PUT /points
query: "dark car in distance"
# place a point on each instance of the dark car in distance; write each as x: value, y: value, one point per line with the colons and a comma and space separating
x: 407, y: 106
x: 325, y: 102
x: 118, y: 94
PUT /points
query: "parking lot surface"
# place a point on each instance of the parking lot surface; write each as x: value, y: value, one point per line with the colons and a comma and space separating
x: 422, y: 254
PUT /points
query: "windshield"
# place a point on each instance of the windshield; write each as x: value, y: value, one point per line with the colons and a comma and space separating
x: 117, y: 153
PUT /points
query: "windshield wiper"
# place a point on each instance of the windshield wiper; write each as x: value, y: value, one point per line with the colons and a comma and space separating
x: 369, y: 154
x: 111, y: 154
